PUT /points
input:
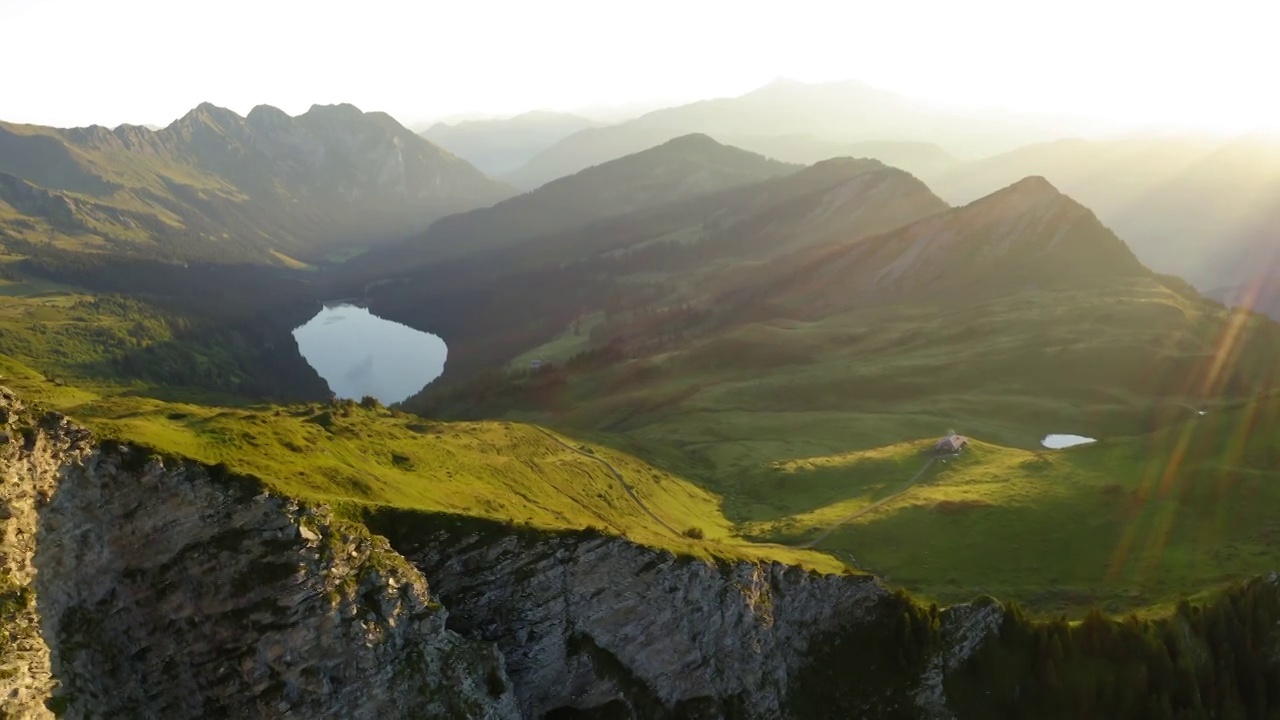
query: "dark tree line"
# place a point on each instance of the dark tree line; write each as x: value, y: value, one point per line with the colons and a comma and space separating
x: 1217, y: 660
x: 183, y: 329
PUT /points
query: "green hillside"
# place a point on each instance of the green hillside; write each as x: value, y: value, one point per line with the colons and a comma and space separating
x: 638, y: 267
x: 363, y: 455
x: 678, y: 169
x: 804, y: 392
x: 742, y: 374
x: 798, y: 425
x: 1129, y: 522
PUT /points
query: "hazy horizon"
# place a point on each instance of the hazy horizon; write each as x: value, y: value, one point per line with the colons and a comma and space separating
x: 1126, y: 63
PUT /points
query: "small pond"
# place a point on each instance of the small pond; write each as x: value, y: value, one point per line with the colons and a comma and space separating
x: 359, y: 353
x: 1057, y: 441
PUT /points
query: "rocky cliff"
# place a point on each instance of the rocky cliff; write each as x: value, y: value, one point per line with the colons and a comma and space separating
x: 139, y: 586
x: 135, y: 586
x: 595, y: 626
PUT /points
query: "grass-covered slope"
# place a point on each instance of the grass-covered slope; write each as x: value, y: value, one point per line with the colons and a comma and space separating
x: 537, y: 296
x: 802, y: 399
x: 1127, y: 523
x: 1010, y: 369
x: 139, y: 347
x: 367, y: 456
x: 802, y: 424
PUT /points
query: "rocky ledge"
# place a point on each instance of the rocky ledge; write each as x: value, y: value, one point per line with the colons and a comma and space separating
x: 134, y: 586
x: 140, y: 586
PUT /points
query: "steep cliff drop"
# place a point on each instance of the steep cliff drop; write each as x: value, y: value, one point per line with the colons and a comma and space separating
x: 594, y: 626
x: 139, y: 587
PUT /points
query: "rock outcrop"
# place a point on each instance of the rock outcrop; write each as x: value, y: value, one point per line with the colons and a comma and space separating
x: 140, y: 586
x: 136, y: 586
x: 594, y: 623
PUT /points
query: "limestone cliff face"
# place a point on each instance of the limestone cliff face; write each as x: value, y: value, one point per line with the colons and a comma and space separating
x: 134, y: 586
x: 602, y: 624
x: 139, y: 587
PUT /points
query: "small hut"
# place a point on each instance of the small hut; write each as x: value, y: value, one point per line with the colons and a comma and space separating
x: 950, y: 445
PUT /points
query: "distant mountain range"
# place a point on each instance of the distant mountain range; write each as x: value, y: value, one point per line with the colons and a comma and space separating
x: 216, y: 186
x: 499, y: 146
x: 273, y: 189
x: 670, y: 271
x: 835, y: 289
x: 1027, y: 236
x: 679, y: 169
x: 918, y: 158
x: 838, y: 113
x: 1206, y: 210
x: 495, y: 301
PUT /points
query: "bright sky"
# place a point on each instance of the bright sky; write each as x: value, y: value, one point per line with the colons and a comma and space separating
x: 76, y: 62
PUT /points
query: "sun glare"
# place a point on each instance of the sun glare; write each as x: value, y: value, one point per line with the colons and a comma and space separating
x: 1134, y: 62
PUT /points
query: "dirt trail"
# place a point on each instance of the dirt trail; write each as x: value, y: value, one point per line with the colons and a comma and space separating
x: 882, y: 501
x: 613, y: 471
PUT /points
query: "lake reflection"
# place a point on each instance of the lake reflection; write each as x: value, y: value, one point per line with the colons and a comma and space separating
x: 359, y: 354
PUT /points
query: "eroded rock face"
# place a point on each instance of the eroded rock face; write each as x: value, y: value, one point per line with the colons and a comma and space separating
x: 136, y: 587
x: 598, y: 623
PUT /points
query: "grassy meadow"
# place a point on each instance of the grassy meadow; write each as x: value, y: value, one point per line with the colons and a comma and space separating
x: 1123, y: 525
x: 799, y: 423
x: 350, y: 454
x: 765, y: 436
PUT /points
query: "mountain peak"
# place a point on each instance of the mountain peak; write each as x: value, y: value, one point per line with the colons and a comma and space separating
x: 206, y: 113
x: 692, y: 141
x: 848, y: 163
x: 267, y: 115
x: 1030, y: 193
x: 338, y: 110
x: 267, y: 111
x: 676, y: 170
x: 209, y: 109
x: 1035, y: 184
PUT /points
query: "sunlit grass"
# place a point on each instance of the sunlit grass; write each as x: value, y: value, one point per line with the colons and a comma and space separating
x: 345, y: 453
x: 1055, y: 530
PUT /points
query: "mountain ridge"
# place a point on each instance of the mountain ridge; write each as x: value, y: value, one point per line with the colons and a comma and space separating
x: 509, y: 299
x: 244, y: 187
x: 841, y: 112
x: 680, y: 168
x: 1027, y: 234
x: 501, y: 145
x: 1199, y: 207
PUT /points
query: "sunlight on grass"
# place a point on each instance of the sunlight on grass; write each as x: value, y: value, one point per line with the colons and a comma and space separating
x: 1055, y: 530
x: 346, y: 453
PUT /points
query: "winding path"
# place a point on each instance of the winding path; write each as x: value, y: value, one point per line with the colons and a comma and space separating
x: 882, y: 501
x: 612, y: 471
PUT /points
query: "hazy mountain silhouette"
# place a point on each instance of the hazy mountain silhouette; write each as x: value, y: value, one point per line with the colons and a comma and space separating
x: 1025, y: 236
x: 679, y: 169
x: 918, y: 158
x: 494, y: 303
x: 1204, y: 209
x: 498, y: 146
x: 844, y: 113
x: 214, y: 185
